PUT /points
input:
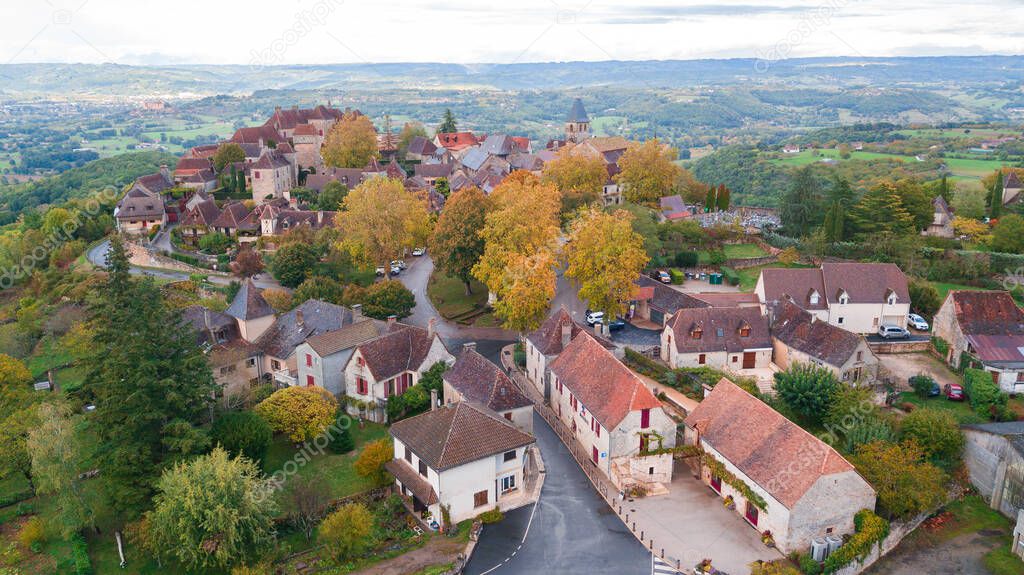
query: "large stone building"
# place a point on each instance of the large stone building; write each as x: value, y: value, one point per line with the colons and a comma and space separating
x: 994, y: 457
x: 804, y: 489
x: 987, y: 329
x: 798, y: 336
x: 734, y: 339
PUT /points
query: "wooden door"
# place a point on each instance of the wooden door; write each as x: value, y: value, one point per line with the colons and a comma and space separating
x: 749, y: 359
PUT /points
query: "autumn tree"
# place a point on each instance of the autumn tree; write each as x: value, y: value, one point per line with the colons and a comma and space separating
x: 15, y: 384
x: 278, y: 299
x: 456, y: 245
x: 247, y: 263
x: 346, y: 532
x: 974, y: 230
x: 212, y: 512
x: 351, y: 142
x: 409, y: 131
x: 691, y: 189
x: 227, y: 153
x: 60, y: 447
x: 579, y: 177
x: 15, y: 458
x: 380, y: 220
x: 906, y: 484
x: 301, y: 413
x: 605, y: 257
x: 528, y: 286
x: 371, y: 460
x: 647, y: 172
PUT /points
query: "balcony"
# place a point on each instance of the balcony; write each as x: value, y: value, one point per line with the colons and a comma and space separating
x: 284, y: 377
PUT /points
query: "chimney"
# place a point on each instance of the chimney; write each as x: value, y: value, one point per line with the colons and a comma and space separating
x: 299, y: 320
x: 431, y: 328
x: 357, y: 312
x: 433, y: 399
x: 599, y: 329
x: 469, y: 346
x: 392, y: 319
x: 165, y: 172
x: 277, y: 109
x: 566, y: 334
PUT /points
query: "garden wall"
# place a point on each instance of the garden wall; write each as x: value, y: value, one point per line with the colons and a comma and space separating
x: 897, y: 531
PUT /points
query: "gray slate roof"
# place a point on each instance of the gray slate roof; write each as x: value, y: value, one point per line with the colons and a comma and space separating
x: 312, y: 317
x: 249, y: 303
x: 577, y: 113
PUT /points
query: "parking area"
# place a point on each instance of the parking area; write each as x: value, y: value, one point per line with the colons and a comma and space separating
x: 691, y: 523
x: 636, y: 336
x: 903, y: 366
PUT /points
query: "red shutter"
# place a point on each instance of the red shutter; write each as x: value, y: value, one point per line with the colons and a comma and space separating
x: 645, y: 418
x: 309, y: 360
x: 310, y: 382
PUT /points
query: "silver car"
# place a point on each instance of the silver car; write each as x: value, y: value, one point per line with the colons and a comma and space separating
x: 893, y: 332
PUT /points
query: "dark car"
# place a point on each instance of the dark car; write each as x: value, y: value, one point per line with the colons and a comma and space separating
x: 616, y: 324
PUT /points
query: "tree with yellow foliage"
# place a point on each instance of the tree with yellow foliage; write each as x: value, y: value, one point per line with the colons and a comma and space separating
x: 580, y: 178
x: 605, y: 257
x: 301, y: 413
x: 647, y: 172
x: 975, y: 230
x: 371, y: 460
x: 528, y: 286
x: 351, y: 142
x: 380, y: 219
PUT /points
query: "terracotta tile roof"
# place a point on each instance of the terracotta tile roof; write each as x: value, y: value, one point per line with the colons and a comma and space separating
x: 987, y: 312
x: 457, y: 140
x: 720, y: 329
x: 672, y: 204
x: 190, y: 165
x: 608, y: 144
x: 394, y: 170
x: 480, y: 381
x: 777, y: 454
x: 668, y: 300
x: 1004, y: 349
x: 348, y: 337
x: 204, y: 151
x: 548, y: 337
x: 1011, y: 181
x: 270, y: 160
x: 256, y: 135
x: 154, y: 183
x: 305, y: 130
x: 235, y: 216
x: 796, y: 283
x: 864, y: 282
x: 399, y: 351
x: 433, y: 170
x: 521, y: 143
x: 412, y: 480
x: 205, y: 213
x: 457, y: 434
x: 350, y: 177
x: 817, y: 338
x: 290, y: 329
x: 605, y: 387
x: 249, y: 303
x: 727, y: 299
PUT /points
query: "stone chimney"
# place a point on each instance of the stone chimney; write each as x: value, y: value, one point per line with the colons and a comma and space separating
x: 357, y: 312
x: 299, y: 320
x: 431, y: 328
x: 469, y: 346
x: 566, y: 334
x: 599, y: 329
x: 392, y: 319
x: 433, y: 399
x: 165, y: 172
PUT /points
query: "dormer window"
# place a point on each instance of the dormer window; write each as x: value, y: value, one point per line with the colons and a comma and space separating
x: 814, y: 297
x: 844, y: 298
x: 696, y: 332
x: 890, y: 297
x: 745, y: 330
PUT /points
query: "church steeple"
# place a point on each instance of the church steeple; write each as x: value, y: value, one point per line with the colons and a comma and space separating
x: 577, y: 124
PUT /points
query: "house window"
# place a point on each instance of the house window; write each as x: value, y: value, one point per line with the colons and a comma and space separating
x: 508, y: 415
x: 360, y: 361
x: 751, y: 513
x: 814, y: 298
x: 645, y: 418
x: 840, y: 321
x: 256, y: 175
x: 860, y: 356
x: 1020, y: 377
x: 650, y: 471
x: 716, y: 483
x: 510, y: 455
x: 874, y: 322
x: 479, y: 499
x: 310, y: 381
x: 744, y: 331
x: 423, y: 468
x: 309, y: 360
x: 408, y: 454
x: 735, y: 358
x: 275, y: 365
x: 508, y: 483
x: 361, y: 386
x: 702, y: 359
x: 695, y: 334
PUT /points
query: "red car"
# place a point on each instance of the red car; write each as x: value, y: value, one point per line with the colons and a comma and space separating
x: 954, y: 392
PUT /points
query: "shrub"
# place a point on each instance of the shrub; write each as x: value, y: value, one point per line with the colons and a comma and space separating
x: 730, y: 275
x: 922, y: 385
x: 985, y: 396
x: 493, y: 516
x: 941, y: 346
x: 341, y: 438
x: 644, y: 365
x: 16, y: 497
x: 870, y: 530
x: 80, y: 555
x: 677, y: 276
x: 686, y: 259
x: 347, y: 531
x: 808, y: 566
x: 937, y: 432
x: 243, y: 433
x: 717, y: 257
x: 32, y: 533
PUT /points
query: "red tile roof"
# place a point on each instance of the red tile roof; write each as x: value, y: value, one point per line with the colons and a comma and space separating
x: 457, y: 140
x: 797, y: 283
x: 477, y: 379
x: 777, y: 454
x: 817, y: 338
x: 987, y: 312
x: 601, y: 383
x: 864, y: 282
x: 397, y: 352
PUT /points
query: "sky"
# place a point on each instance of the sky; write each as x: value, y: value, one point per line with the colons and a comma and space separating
x: 268, y: 32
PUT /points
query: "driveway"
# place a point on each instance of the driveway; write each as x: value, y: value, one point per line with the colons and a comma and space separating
x: 570, y: 530
x: 637, y: 336
x: 961, y: 555
x: 903, y: 366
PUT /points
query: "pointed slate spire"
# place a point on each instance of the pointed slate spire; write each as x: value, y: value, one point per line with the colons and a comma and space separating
x: 249, y: 303
x: 577, y: 113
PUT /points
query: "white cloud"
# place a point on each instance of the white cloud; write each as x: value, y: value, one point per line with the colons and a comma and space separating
x: 337, y: 31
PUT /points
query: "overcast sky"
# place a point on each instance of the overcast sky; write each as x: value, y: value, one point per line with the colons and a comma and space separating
x: 471, y: 31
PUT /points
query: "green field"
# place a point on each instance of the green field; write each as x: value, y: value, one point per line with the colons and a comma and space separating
x: 449, y: 297
x: 944, y: 288
x: 961, y: 168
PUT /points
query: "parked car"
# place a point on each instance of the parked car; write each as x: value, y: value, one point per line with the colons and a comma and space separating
x: 395, y: 269
x: 663, y: 277
x: 380, y: 270
x: 400, y: 264
x: 595, y: 317
x: 419, y: 251
x: 893, y: 332
x: 616, y: 324
x: 917, y: 322
x: 954, y: 392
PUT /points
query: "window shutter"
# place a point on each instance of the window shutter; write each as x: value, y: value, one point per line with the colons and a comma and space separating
x: 645, y: 418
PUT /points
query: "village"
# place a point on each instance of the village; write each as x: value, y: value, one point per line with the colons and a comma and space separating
x: 735, y: 408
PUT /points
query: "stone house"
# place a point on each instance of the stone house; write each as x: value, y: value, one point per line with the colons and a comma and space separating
x: 420, y: 149
x: 251, y: 310
x: 612, y: 415
x: 545, y: 343
x: 290, y: 329
x: 475, y: 378
x: 271, y: 176
x: 199, y: 220
x: 799, y: 336
x: 322, y: 357
x: 942, y: 220
x: 988, y: 328
x: 734, y: 339
x: 656, y: 302
x: 233, y: 360
x: 994, y: 457
x: 138, y: 211
x: 463, y: 457
x: 858, y: 297
x: 804, y: 489
x: 388, y: 366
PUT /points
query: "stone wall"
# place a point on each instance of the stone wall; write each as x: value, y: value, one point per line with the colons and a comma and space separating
x: 897, y: 532
x: 900, y: 346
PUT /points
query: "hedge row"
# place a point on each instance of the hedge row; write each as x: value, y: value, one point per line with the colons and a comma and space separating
x: 80, y: 555
x: 730, y: 275
x: 985, y: 396
x: 644, y: 365
x: 870, y: 531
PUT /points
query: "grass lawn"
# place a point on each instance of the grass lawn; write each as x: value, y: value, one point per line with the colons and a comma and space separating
x: 449, y: 297
x: 748, y: 276
x: 336, y: 472
x: 960, y: 167
x: 960, y: 409
x: 49, y: 353
x: 944, y: 288
x: 1000, y: 561
x: 734, y: 252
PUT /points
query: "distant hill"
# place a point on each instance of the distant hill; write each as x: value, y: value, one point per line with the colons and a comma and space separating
x: 115, y: 79
x: 117, y: 171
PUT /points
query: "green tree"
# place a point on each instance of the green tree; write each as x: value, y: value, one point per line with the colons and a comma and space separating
x: 938, y: 434
x: 346, y: 532
x: 293, y: 263
x: 722, y: 198
x: 214, y: 243
x: 341, y: 438
x: 924, y: 298
x: 15, y: 458
x: 1008, y: 235
x: 806, y: 389
x: 906, y: 484
x: 917, y: 203
x: 212, y: 512
x: 388, y: 298
x: 448, y: 123
x: 456, y: 244
x: 60, y: 450
x: 321, y: 288
x: 243, y: 433
x: 151, y: 384
x: 800, y: 205
x: 996, y: 201
x: 227, y: 153
x: 881, y: 210
x: 332, y: 196
x: 840, y: 198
